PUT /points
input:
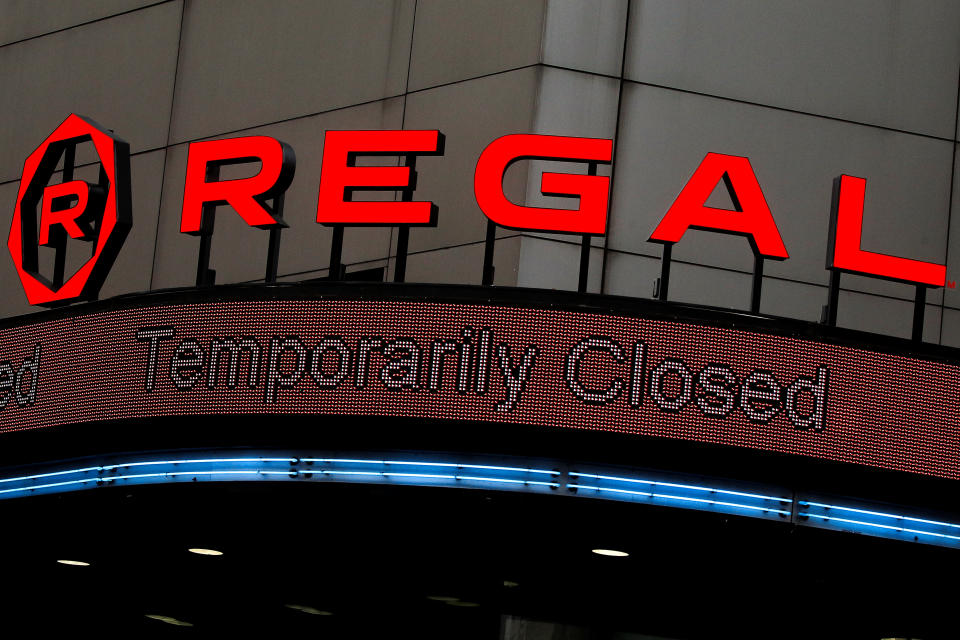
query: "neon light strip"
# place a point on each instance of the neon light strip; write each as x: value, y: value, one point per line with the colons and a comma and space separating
x: 431, y: 464
x: 173, y: 474
x: 108, y: 479
x: 254, y: 460
x: 55, y: 484
x: 343, y: 460
x: 48, y: 475
x: 289, y: 468
x: 476, y: 466
x: 397, y: 474
x: 291, y: 461
x: 804, y: 503
x: 882, y: 526
x: 388, y: 474
x: 683, y: 498
x: 110, y: 467
x: 533, y: 482
x: 105, y: 477
x: 681, y: 486
x: 349, y: 473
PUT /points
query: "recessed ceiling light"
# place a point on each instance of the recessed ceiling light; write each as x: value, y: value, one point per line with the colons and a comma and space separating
x: 169, y: 620
x: 613, y: 553
x: 443, y: 598
x: 205, y: 552
x: 510, y: 584
x: 311, y: 610
x: 75, y: 563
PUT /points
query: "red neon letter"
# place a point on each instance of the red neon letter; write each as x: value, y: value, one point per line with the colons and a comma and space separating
x: 68, y: 218
x: 339, y: 177
x: 751, y: 217
x: 593, y: 191
x: 204, y: 189
x: 846, y: 220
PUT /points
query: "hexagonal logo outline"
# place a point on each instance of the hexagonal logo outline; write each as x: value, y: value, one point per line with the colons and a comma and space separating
x: 117, y: 220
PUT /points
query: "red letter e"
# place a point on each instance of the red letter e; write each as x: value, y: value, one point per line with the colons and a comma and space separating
x: 340, y: 177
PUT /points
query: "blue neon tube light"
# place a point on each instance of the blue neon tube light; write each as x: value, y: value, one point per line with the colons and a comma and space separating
x: 673, y: 491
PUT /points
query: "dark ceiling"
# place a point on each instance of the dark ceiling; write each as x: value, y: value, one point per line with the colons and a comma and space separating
x: 373, y: 556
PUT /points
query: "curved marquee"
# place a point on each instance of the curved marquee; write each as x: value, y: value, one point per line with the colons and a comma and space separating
x: 283, y: 351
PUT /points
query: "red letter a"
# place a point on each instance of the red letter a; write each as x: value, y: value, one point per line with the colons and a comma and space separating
x: 751, y: 217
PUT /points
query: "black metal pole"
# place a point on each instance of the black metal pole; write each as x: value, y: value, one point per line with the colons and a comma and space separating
x: 336, y: 253
x: 584, y: 264
x: 757, y: 283
x: 585, y: 246
x: 273, y: 254
x: 273, y: 246
x: 488, y: 254
x: 919, y: 306
x: 403, y: 232
x: 403, y: 241
x: 98, y: 219
x: 205, y: 275
x: 833, y: 298
x: 69, y: 162
x: 665, y: 272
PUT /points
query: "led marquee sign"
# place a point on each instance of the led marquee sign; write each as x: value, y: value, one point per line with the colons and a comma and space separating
x: 481, y: 362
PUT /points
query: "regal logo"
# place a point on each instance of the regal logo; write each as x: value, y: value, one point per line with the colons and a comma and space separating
x: 48, y: 214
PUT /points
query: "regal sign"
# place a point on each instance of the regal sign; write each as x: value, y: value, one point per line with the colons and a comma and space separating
x: 100, y: 212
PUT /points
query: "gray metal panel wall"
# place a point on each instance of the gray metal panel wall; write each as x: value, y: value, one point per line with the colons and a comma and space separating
x: 807, y: 91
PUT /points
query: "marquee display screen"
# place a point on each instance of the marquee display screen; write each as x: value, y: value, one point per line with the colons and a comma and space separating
x: 483, y: 362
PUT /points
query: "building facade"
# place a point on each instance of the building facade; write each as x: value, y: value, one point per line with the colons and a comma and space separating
x: 807, y: 91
